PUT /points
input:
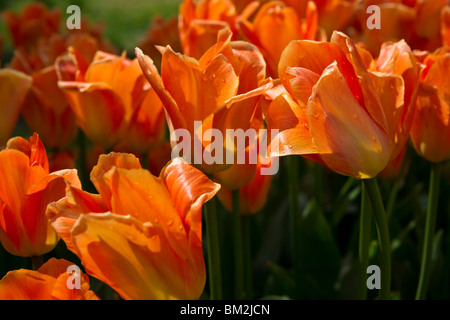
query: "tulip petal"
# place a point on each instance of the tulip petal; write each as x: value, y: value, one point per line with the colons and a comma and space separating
x: 91, y: 103
x: 140, y: 188
x: 360, y: 148
x: 26, y: 285
x: 64, y: 213
x: 133, y: 259
x: 198, y: 92
x: 445, y: 26
x: 294, y: 136
x: 14, y: 86
x: 189, y: 189
x: 431, y: 124
x: 367, y: 95
x: 151, y: 74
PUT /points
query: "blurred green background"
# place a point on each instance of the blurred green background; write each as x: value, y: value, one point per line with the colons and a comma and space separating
x: 125, y: 23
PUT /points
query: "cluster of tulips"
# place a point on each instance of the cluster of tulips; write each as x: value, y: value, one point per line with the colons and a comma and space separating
x: 347, y: 98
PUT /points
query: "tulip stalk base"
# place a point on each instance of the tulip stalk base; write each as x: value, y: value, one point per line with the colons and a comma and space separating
x: 365, y: 225
x: 238, y: 246
x: 379, y: 214
x: 430, y: 226
x: 212, y: 234
x: 37, y: 262
x: 294, y: 212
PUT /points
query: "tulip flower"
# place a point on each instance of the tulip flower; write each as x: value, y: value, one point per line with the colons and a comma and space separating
x: 311, y: 115
x: 274, y: 26
x: 200, y: 22
x: 422, y: 17
x: 110, y: 100
x: 142, y: 235
x: 431, y: 122
x: 14, y: 86
x: 338, y: 113
x: 430, y: 134
x: 218, y: 92
x: 26, y: 188
x: 397, y: 58
x: 49, y: 282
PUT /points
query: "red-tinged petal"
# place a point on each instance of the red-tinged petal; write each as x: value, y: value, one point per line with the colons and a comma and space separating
x: 431, y: 124
x: 38, y: 155
x: 14, y: 86
x: 135, y: 260
x: 391, y: 91
x: 364, y: 91
x: 359, y: 148
x: 310, y: 25
x: 294, y: 136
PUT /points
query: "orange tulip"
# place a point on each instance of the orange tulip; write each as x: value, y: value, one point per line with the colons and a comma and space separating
x: 142, y: 234
x: 274, y: 26
x: 333, y: 14
x: 14, y: 86
x: 111, y: 101
x: 397, y: 58
x: 220, y: 91
x: 46, y: 110
x: 430, y: 131
x: 200, y: 22
x: 336, y: 111
x: 417, y: 22
x: 445, y: 26
x: 26, y: 187
x: 49, y: 282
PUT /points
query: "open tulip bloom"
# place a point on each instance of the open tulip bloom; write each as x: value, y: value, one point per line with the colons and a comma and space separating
x: 142, y: 234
